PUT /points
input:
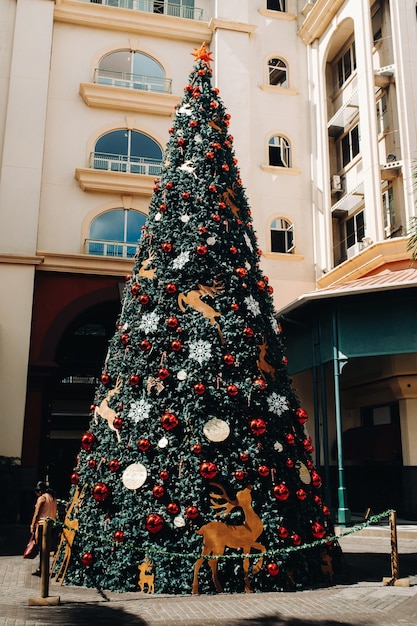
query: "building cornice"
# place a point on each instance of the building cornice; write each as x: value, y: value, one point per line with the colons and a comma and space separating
x: 84, y: 264
x: 241, y: 27
x: 107, y: 97
x: 115, y: 182
x: 20, y: 259
x: 369, y: 259
x: 128, y: 20
x: 318, y: 19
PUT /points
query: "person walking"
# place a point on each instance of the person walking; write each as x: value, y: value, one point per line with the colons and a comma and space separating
x: 45, y: 506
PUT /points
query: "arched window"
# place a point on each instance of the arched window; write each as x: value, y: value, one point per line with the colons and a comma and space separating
x: 282, y: 235
x: 277, y: 72
x: 115, y: 233
x: 279, y: 152
x: 133, y: 70
x: 127, y: 151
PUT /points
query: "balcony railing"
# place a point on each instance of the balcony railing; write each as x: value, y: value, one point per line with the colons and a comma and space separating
x: 119, y: 249
x: 177, y: 9
x: 132, y: 81
x: 124, y: 163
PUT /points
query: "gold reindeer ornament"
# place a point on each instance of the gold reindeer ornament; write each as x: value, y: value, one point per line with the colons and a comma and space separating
x: 69, y: 530
x: 218, y: 535
x: 194, y: 299
x: 104, y: 411
x: 146, y: 576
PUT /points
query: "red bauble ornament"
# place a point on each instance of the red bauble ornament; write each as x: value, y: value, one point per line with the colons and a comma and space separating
x: 232, y: 390
x: 124, y: 338
x: 212, y: 188
x: 216, y: 217
x: 114, y: 465
x: 166, y: 247
x: 241, y: 272
x: 208, y: 470
x: 87, y: 441
x: 92, y: 463
x: 87, y: 559
x: 199, y: 389
x: 197, y: 448
x: 296, y: 539
x: 316, y: 479
x: 317, y: 530
x: 234, y: 306
x: 270, y: 289
x: 74, y: 478
x: 171, y: 288
x: 281, y: 492
x: 163, y: 373
x: 144, y: 444
x: 301, y: 494
x: 134, y: 289
x: 260, y: 284
x: 229, y: 359
x: 162, y: 208
x: 272, y: 569
x: 176, y: 345
x: 181, y: 141
x: 326, y: 510
x: 100, y: 492
x: 158, y: 491
x: 290, y: 438
x: 173, y: 508
x: 244, y: 457
x: 185, y: 195
x: 258, y: 426
x: 118, y: 536
x: 144, y: 299
x: 225, y: 167
x: 134, y: 380
x: 172, y: 322
x: 289, y: 463
x: 209, y: 155
x: 240, y: 475
x: 302, y: 416
x: 118, y: 423
x: 105, y: 379
x: 145, y: 345
x: 154, y: 523
x: 233, y: 250
x: 317, y: 499
x: 164, y: 475
x: 169, y: 421
x: 248, y: 332
x: 263, y: 471
x: 260, y: 384
x: 201, y: 250
x: 191, y: 512
x: 282, y: 532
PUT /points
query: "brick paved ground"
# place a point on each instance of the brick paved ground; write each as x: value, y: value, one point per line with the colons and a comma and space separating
x: 362, y: 601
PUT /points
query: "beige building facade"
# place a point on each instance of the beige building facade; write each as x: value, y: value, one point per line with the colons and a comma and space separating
x: 323, y: 104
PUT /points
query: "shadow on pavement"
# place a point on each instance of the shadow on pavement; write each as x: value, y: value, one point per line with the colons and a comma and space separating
x: 80, y: 615
x: 372, y: 567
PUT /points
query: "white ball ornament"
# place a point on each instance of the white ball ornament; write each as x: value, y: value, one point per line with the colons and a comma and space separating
x: 134, y: 476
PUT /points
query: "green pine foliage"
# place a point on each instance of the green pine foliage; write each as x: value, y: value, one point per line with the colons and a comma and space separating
x: 197, y: 339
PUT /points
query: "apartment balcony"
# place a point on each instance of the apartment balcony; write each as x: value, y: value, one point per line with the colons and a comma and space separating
x: 160, y: 7
x: 117, y: 173
x: 172, y: 20
x: 130, y: 92
x: 118, y: 249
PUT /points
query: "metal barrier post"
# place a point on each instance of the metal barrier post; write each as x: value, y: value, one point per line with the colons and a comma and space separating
x: 395, y: 568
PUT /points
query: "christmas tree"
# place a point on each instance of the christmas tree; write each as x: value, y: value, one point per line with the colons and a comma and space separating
x: 197, y: 446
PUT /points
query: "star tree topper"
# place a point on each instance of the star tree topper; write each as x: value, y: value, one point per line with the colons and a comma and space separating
x: 202, y: 54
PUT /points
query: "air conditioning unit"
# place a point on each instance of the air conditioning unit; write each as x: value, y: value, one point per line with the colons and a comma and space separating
x: 336, y: 184
x: 354, y: 250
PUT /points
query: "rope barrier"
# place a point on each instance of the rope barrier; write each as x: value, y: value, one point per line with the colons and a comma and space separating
x: 277, y: 552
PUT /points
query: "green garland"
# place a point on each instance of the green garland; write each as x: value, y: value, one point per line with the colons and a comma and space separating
x: 279, y: 552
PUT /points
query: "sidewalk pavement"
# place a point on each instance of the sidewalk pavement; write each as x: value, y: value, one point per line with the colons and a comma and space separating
x: 362, y: 601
